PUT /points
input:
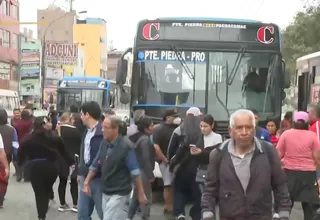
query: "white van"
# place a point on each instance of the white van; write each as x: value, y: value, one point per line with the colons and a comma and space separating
x: 9, y: 100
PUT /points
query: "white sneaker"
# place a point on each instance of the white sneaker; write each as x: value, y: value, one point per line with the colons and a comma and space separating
x: 276, y: 216
x: 181, y: 217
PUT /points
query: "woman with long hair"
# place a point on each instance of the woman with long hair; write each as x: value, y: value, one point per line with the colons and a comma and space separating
x: 42, y: 150
x: 208, y: 141
x: 299, y: 151
x: 272, y: 128
x: 71, y: 138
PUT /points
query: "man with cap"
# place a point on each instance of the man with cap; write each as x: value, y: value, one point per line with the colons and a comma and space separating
x: 161, y: 138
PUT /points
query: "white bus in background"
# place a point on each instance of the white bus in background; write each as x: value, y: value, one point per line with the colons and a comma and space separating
x: 9, y: 100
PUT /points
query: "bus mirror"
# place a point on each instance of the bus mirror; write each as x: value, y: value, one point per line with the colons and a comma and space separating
x: 286, y: 79
x: 122, y: 69
x: 124, y: 97
x: 286, y: 75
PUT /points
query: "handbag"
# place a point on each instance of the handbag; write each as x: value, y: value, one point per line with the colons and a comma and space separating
x: 201, y: 175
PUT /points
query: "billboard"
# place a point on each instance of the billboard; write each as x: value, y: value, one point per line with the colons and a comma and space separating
x: 60, y: 54
x: 30, y: 63
x: 54, y: 73
x: 210, y: 31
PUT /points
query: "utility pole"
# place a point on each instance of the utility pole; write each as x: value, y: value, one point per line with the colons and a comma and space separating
x: 70, y: 5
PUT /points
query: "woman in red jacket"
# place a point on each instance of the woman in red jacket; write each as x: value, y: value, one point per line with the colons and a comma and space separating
x: 272, y: 127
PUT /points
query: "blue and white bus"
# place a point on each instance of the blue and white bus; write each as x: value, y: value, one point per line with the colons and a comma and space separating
x: 74, y: 91
x: 216, y: 64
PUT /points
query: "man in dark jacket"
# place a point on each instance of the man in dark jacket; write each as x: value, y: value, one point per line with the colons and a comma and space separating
x: 242, y: 173
x: 118, y: 164
x: 145, y: 154
x: 90, y: 116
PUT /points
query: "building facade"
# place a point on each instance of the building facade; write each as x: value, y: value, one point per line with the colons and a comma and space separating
x: 77, y: 70
x: 30, y: 89
x: 113, y: 58
x: 9, y: 36
x: 55, y: 24
x: 91, y: 36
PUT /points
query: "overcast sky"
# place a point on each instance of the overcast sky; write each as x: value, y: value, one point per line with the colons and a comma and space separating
x: 122, y: 15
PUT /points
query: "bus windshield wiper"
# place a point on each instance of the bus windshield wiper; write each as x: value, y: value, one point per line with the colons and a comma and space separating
x: 236, y: 66
x: 187, y: 69
x: 182, y: 61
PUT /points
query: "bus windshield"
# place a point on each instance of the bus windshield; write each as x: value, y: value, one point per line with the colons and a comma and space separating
x: 173, y: 82
x: 76, y: 97
x: 243, y: 80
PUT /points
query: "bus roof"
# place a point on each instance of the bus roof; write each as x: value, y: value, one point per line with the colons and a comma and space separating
x: 89, y: 78
x: 207, y: 19
x: 309, y: 56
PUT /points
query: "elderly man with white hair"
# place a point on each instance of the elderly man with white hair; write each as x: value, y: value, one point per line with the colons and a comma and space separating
x: 242, y: 174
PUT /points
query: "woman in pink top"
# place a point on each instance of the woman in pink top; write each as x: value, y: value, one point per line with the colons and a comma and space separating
x: 299, y: 152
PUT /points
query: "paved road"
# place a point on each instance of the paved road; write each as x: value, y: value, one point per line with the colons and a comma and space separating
x: 20, y: 204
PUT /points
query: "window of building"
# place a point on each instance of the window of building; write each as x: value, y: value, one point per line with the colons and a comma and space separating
x: 1, y: 37
x: 5, y: 7
x: 6, y: 38
x: 15, y: 12
x: 4, y: 71
x: 15, y: 41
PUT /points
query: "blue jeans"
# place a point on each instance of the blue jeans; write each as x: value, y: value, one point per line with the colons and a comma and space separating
x: 113, y: 206
x: 87, y: 203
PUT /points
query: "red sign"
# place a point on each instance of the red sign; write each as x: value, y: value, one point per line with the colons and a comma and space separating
x: 150, y: 31
x: 265, y: 35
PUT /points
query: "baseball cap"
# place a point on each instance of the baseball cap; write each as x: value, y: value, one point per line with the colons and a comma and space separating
x: 194, y: 111
x: 301, y: 115
x: 170, y: 112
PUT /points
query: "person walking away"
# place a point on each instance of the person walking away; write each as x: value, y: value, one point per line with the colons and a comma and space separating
x: 16, y: 116
x: 287, y: 120
x: 242, y: 174
x: 42, y: 149
x: 23, y: 128
x: 261, y: 133
x: 4, y: 172
x: 145, y: 154
x: 90, y: 116
x: 299, y: 152
x: 184, y: 137
x: 53, y: 115
x: 314, y: 125
x: 71, y: 138
x: 118, y: 164
x: 161, y: 138
x: 272, y: 128
x: 208, y: 142
x: 137, y: 114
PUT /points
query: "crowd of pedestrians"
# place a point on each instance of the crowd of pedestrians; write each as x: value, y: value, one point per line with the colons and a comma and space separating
x: 254, y: 173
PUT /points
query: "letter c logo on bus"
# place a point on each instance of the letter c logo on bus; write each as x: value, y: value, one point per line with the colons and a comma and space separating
x: 265, y: 35
x: 150, y: 31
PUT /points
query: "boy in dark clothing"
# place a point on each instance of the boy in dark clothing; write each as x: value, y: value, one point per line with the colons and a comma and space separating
x: 145, y: 154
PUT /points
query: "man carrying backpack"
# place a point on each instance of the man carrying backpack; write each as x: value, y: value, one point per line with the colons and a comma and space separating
x: 242, y: 174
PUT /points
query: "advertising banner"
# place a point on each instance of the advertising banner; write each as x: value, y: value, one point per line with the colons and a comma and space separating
x: 54, y: 73
x: 30, y: 64
x: 61, y: 54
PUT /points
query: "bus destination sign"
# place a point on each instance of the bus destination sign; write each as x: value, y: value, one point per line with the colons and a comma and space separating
x: 82, y: 83
x: 208, y: 31
x: 167, y: 55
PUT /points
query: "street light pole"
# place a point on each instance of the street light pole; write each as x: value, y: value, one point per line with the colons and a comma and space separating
x: 43, y: 56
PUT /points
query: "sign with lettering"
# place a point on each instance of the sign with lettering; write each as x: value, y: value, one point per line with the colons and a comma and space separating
x: 82, y: 83
x: 61, y: 54
x: 167, y: 55
x: 210, y: 31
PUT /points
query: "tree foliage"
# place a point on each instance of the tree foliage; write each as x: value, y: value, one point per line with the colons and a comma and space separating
x: 302, y: 36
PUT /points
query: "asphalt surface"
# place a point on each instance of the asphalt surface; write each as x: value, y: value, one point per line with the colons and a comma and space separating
x: 20, y: 204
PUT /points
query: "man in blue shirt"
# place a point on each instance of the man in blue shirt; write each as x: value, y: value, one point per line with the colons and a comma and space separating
x: 118, y: 164
x: 261, y: 133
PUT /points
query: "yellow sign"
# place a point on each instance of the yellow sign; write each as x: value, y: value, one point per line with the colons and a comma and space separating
x: 4, y: 22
